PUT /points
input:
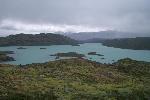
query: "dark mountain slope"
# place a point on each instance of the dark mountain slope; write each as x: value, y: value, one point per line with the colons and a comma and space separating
x: 35, y: 40
x: 139, y: 43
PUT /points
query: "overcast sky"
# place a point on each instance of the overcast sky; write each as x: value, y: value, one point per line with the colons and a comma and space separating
x: 74, y: 16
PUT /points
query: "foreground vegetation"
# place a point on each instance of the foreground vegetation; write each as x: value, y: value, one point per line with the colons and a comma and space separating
x: 76, y: 79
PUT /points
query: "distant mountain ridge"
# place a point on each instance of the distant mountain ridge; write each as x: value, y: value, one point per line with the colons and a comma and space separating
x: 116, y: 39
x: 102, y: 34
x: 138, y: 43
x: 36, y: 40
x: 110, y: 34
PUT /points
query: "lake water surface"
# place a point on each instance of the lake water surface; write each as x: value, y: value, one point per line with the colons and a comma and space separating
x: 33, y: 54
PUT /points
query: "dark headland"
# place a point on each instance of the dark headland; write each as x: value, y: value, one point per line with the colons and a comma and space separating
x: 42, y: 39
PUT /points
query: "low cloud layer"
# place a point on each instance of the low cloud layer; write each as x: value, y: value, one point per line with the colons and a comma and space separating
x: 28, y: 27
x: 75, y: 15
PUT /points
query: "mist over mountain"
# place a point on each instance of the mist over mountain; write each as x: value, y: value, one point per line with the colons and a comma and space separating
x: 103, y: 35
x: 75, y: 16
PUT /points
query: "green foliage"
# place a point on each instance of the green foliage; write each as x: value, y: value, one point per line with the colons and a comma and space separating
x: 134, y: 67
x: 139, y: 43
x: 76, y: 79
x: 35, y: 40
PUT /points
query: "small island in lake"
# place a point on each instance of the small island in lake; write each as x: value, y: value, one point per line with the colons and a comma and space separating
x: 69, y: 54
x: 4, y: 56
x: 42, y: 48
x: 102, y: 58
x: 21, y: 48
x: 94, y: 53
x: 75, y: 45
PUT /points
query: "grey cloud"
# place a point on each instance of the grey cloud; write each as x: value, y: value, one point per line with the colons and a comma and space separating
x: 122, y: 15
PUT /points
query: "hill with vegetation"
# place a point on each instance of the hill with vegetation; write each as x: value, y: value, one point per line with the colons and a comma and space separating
x: 139, y: 43
x: 76, y: 79
x: 36, y: 40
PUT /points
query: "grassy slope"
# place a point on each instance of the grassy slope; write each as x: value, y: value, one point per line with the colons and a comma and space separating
x: 76, y: 79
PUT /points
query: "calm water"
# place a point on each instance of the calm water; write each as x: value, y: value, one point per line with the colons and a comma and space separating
x: 33, y: 54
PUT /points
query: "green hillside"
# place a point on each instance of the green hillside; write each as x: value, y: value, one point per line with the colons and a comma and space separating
x: 36, y: 40
x: 139, y: 43
x: 76, y: 79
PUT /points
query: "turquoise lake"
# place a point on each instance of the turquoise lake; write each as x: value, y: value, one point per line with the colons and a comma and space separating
x: 33, y: 54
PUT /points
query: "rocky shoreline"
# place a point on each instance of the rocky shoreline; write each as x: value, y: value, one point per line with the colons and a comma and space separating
x: 4, y: 56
